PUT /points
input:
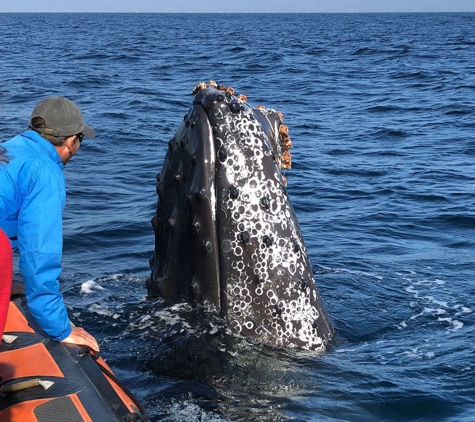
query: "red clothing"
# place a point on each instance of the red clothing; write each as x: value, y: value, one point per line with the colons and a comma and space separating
x: 6, y: 273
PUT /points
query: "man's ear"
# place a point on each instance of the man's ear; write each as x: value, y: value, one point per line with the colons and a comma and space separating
x: 70, y: 141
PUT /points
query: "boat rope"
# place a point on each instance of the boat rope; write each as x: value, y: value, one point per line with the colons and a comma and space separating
x: 131, y: 417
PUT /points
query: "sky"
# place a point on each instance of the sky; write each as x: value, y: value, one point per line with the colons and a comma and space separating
x: 240, y: 6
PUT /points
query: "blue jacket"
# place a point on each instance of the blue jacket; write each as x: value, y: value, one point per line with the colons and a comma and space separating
x: 32, y: 199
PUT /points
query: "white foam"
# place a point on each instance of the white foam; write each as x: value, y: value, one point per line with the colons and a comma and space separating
x: 429, y: 282
x: 463, y: 309
x: 411, y: 289
x: 99, y: 309
x: 413, y: 353
x: 89, y: 287
x: 192, y: 413
x: 142, y: 323
x: 456, y: 323
x: 437, y: 302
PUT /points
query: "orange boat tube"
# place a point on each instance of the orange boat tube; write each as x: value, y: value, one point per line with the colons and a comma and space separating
x: 43, y: 381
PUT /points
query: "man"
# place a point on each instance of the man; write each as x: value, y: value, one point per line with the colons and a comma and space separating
x: 32, y: 199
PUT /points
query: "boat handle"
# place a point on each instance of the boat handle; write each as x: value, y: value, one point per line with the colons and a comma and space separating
x: 8, y: 338
x: 24, y: 385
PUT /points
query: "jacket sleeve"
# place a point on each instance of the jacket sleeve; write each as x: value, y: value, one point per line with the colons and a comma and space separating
x: 40, y: 242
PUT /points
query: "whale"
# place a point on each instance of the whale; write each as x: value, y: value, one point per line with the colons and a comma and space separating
x: 226, y: 235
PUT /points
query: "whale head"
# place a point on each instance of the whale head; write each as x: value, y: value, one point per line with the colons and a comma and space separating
x: 226, y: 234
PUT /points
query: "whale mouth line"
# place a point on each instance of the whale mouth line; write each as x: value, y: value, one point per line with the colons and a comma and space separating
x: 226, y: 234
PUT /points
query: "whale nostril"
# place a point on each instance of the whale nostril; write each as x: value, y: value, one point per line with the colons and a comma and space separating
x: 220, y: 98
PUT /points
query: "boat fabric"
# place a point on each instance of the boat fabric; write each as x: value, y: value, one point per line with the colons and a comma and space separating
x: 81, y: 386
x: 6, y: 273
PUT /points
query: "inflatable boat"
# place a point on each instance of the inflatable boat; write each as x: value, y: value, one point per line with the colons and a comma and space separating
x: 45, y: 381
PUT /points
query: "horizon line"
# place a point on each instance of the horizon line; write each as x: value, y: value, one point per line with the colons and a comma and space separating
x: 242, y: 12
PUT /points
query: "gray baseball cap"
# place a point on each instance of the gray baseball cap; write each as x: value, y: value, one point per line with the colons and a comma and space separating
x: 62, y: 118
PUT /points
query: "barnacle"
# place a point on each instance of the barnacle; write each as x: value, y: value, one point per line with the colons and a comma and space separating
x: 283, y: 130
x: 287, y: 144
x: 199, y: 86
x: 286, y: 160
x: 242, y: 97
x: 284, y: 137
x: 224, y: 88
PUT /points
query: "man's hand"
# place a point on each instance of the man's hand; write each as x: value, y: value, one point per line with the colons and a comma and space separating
x: 81, y: 337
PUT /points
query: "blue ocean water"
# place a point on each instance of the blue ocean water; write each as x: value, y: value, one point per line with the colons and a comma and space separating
x: 381, y: 113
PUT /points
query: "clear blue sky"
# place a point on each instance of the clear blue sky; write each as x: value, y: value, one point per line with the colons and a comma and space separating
x: 238, y: 6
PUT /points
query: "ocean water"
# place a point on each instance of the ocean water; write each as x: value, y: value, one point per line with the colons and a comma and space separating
x: 380, y: 109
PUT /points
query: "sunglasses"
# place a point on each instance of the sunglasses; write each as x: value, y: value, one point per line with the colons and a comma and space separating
x: 80, y: 136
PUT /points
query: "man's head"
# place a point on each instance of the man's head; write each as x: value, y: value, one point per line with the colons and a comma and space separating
x: 62, y: 117
x: 60, y: 121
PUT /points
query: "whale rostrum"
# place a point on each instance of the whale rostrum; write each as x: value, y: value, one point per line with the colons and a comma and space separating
x: 226, y: 234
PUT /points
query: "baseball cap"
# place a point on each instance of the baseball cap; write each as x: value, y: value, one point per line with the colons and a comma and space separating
x: 62, y: 118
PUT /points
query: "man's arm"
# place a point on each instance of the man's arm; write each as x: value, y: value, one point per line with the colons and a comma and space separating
x: 40, y: 242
